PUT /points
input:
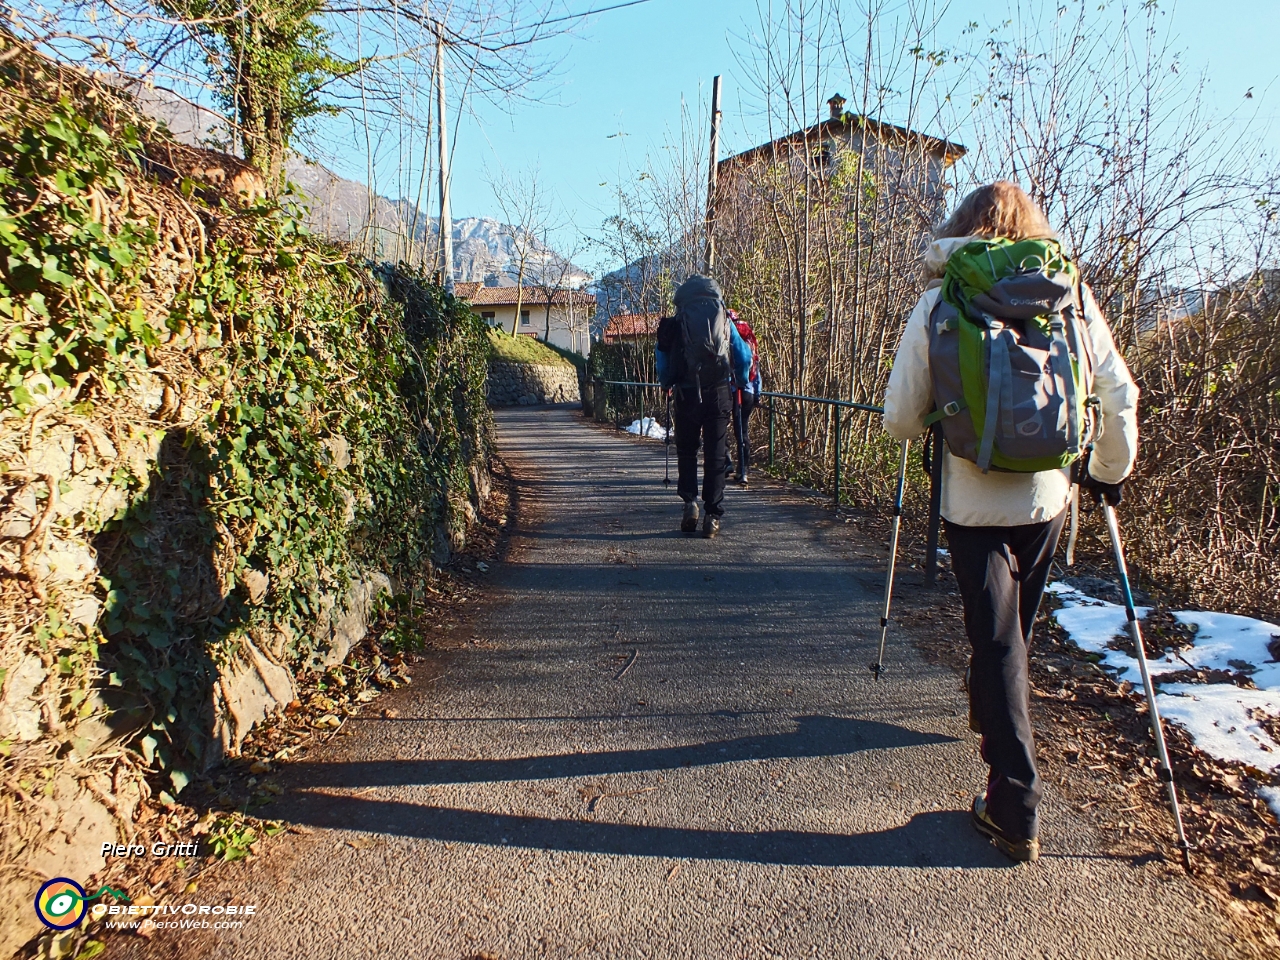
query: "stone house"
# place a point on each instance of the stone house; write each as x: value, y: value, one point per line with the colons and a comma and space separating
x: 889, y: 155
x: 630, y: 327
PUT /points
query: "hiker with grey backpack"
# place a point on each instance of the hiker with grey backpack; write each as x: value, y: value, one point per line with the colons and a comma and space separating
x: 1008, y: 350
x: 698, y: 352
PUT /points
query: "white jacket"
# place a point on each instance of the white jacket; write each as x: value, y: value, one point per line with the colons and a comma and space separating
x: 970, y: 497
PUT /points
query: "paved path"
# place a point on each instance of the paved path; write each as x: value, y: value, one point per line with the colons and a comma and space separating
x: 743, y: 789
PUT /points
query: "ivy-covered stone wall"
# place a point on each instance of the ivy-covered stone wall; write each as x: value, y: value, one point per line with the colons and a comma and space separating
x: 224, y: 445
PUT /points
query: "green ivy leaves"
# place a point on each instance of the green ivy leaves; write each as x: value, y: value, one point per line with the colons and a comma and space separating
x: 56, y: 258
x: 297, y: 347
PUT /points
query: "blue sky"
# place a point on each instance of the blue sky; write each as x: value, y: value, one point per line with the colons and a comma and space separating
x: 625, y: 75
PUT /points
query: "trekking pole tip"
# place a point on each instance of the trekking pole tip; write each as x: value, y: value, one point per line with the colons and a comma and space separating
x: 875, y: 670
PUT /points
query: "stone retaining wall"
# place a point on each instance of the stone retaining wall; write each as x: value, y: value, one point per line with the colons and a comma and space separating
x: 82, y: 807
x: 512, y: 384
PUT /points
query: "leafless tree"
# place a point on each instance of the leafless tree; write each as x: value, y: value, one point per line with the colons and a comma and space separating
x: 287, y: 73
x: 525, y: 207
x: 549, y: 278
x: 819, y: 229
x: 1169, y: 211
x: 656, y: 230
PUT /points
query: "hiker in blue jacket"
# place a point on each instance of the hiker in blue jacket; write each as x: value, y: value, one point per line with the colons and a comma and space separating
x: 699, y: 351
x: 746, y: 395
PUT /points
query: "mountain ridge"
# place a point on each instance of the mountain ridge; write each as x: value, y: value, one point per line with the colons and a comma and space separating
x: 484, y: 249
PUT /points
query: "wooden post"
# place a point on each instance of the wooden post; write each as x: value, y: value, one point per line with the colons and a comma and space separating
x: 709, y: 257
x: 446, y: 220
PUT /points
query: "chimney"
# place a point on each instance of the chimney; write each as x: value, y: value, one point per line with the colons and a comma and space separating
x: 836, y: 104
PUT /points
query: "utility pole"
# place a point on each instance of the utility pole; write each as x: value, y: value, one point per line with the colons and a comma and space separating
x: 709, y: 256
x: 446, y: 220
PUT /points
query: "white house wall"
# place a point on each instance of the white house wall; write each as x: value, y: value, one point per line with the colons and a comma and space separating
x: 562, y: 334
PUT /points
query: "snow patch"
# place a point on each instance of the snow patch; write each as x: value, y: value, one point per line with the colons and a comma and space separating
x: 1222, y: 718
x: 648, y: 427
x: 1093, y: 624
x: 1226, y: 641
x: 1272, y: 797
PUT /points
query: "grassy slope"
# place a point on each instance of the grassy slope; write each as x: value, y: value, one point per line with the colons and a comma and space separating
x: 524, y: 349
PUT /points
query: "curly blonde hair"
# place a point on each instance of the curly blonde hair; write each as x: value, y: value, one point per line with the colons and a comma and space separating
x: 1000, y: 209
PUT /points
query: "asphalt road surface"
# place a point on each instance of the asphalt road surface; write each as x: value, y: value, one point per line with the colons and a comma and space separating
x: 663, y: 746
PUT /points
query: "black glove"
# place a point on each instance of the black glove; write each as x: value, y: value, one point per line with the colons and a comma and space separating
x: 1113, y: 492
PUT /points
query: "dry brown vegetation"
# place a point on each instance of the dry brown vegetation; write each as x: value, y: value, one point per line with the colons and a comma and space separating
x: 1169, y: 212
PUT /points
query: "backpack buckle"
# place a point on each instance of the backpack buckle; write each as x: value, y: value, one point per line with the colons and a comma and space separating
x: 948, y: 410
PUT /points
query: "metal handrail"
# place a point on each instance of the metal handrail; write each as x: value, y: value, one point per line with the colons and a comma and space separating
x: 772, y: 397
x: 931, y: 549
x: 632, y: 383
x: 847, y: 404
x: 870, y: 408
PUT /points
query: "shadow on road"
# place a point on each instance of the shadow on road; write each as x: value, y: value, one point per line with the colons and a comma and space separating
x: 813, y: 737
x: 929, y: 840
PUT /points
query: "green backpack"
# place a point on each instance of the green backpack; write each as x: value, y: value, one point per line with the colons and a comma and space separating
x: 1010, y: 358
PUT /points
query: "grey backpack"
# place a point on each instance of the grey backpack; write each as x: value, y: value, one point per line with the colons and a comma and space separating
x: 1010, y: 358
x: 704, y: 328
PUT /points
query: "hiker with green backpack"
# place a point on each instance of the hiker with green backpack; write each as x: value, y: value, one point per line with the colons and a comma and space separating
x: 1008, y: 350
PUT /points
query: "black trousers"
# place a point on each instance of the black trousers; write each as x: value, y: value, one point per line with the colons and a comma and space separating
x: 741, y: 435
x: 1002, y: 572
x: 702, y: 420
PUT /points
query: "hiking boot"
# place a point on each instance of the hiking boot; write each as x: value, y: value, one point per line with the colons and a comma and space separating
x: 710, y: 526
x: 741, y: 479
x: 1024, y: 851
x: 689, y: 522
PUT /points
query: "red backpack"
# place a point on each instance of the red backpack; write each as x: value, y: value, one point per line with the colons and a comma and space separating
x: 749, y: 335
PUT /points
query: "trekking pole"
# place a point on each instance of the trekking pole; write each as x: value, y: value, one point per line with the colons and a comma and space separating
x: 666, y: 478
x: 893, y: 557
x: 934, y: 469
x: 742, y: 440
x: 1166, y: 770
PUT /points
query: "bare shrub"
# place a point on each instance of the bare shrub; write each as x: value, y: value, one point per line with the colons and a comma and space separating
x: 1169, y: 211
x: 1204, y: 522
x: 1171, y: 214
